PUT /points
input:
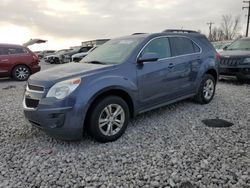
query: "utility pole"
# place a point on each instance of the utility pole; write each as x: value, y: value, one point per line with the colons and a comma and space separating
x: 248, y: 14
x: 210, y: 30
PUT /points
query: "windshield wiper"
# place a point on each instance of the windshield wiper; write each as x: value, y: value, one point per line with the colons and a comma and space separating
x: 96, y: 62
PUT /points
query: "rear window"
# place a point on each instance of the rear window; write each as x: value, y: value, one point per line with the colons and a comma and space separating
x: 3, y: 51
x: 182, y: 46
x: 17, y: 50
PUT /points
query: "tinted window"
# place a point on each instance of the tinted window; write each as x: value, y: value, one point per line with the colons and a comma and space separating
x: 17, y: 51
x: 84, y: 50
x: 182, y: 46
x: 159, y: 46
x: 3, y: 51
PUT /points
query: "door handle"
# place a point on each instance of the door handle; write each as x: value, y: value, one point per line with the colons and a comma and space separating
x: 4, y: 60
x: 171, y: 65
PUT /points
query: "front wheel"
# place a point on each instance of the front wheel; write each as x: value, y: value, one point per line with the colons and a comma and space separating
x: 206, y: 90
x: 109, y: 119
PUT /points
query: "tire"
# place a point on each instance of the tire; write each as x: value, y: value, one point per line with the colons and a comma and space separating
x: 206, y: 90
x: 102, y: 126
x: 21, y: 73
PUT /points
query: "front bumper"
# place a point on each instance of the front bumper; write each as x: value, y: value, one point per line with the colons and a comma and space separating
x: 61, y: 119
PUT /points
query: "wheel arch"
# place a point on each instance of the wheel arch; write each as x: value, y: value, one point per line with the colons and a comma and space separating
x: 12, y: 69
x: 214, y: 73
x: 110, y: 92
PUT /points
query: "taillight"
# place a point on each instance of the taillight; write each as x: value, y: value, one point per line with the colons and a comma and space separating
x: 35, y: 57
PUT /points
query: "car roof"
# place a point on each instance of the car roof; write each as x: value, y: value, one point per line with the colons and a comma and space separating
x: 153, y: 35
x: 10, y: 45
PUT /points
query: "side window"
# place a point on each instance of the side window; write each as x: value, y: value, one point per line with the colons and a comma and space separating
x: 3, y: 51
x: 182, y: 46
x: 84, y: 49
x: 15, y: 50
x: 160, y: 46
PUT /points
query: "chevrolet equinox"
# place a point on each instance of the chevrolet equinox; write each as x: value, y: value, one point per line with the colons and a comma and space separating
x: 119, y: 80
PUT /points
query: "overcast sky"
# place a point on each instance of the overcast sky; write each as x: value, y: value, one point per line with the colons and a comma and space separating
x: 67, y: 23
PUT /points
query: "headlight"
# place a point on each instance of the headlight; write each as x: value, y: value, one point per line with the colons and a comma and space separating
x: 62, y: 89
x: 246, y: 60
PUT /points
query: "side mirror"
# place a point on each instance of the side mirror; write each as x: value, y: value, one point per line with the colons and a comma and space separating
x: 147, y: 57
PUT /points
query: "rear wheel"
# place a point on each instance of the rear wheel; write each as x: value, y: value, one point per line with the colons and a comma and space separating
x: 206, y: 90
x: 109, y: 119
x: 21, y: 73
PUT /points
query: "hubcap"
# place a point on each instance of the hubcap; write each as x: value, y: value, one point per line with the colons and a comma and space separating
x: 111, y: 119
x: 208, y: 89
x: 22, y: 73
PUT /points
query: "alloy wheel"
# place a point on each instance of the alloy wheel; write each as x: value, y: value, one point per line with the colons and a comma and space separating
x: 111, y: 119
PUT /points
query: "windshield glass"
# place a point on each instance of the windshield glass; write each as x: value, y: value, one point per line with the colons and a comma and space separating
x: 240, y: 45
x: 113, y: 52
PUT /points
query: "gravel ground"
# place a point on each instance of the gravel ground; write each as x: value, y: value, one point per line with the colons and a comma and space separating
x: 167, y: 147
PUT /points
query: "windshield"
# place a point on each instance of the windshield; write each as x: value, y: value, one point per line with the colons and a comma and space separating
x: 113, y: 52
x: 240, y: 45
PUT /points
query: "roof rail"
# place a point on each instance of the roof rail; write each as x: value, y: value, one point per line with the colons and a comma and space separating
x: 180, y: 31
x: 138, y: 33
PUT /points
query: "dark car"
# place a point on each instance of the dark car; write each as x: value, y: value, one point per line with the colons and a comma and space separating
x: 235, y: 59
x: 17, y: 61
x: 67, y: 56
x: 119, y: 80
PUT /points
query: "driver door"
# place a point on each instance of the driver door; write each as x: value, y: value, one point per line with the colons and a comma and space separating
x: 153, y: 82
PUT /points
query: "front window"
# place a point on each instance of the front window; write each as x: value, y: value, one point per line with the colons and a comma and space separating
x: 240, y: 45
x: 114, y: 51
x: 159, y: 46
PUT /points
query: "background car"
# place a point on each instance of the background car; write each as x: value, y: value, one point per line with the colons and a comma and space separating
x: 78, y: 57
x: 45, y: 53
x: 17, y: 61
x: 67, y: 56
x: 57, y: 57
x: 220, y: 45
x: 235, y: 59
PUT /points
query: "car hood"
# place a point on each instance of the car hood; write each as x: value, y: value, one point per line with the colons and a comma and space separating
x: 235, y: 53
x: 49, y: 77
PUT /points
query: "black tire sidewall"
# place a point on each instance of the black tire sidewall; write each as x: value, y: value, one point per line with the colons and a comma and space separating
x: 95, y: 114
x: 14, y: 72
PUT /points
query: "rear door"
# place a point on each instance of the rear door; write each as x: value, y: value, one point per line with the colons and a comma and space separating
x: 186, y: 63
x: 5, y: 65
x: 19, y: 55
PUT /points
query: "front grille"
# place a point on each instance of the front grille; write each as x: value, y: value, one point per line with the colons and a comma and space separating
x: 233, y: 62
x: 31, y: 103
x: 35, y: 88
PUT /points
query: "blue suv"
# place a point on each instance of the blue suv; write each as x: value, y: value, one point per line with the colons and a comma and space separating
x: 120, y: 79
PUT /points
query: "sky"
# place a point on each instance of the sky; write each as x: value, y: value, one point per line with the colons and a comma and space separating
x: 66, y: 23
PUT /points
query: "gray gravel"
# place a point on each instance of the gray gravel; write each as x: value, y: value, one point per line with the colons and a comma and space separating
x: 168, y: 147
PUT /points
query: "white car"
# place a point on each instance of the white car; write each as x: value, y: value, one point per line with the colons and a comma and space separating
x: 78, y: 57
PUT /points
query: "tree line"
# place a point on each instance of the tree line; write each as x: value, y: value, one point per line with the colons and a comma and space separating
x: 228, y: 29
